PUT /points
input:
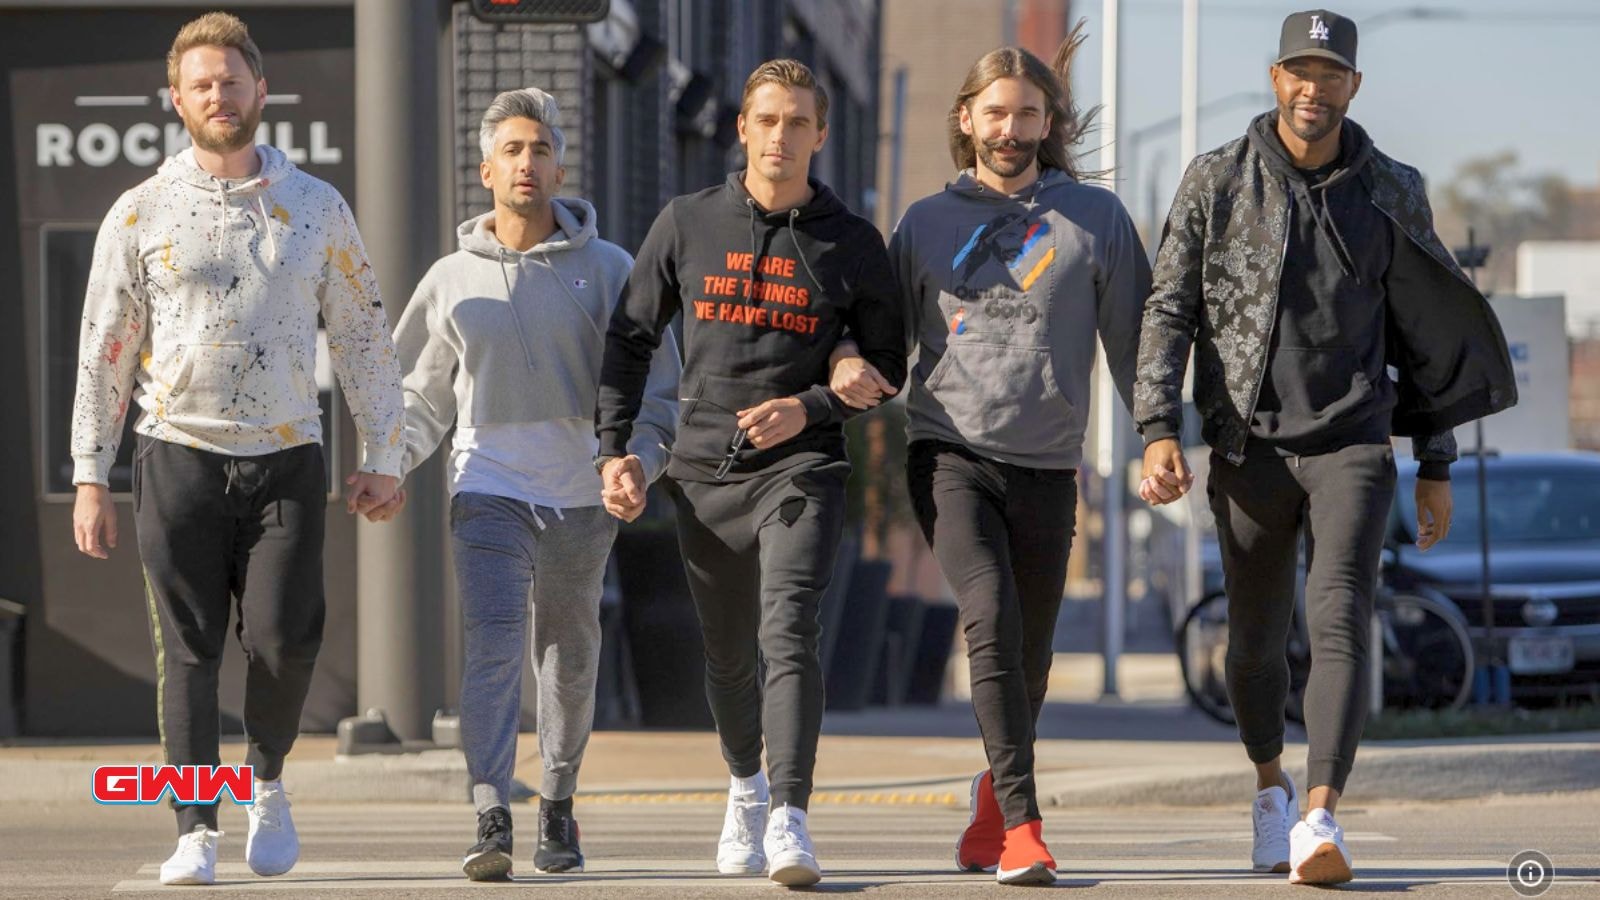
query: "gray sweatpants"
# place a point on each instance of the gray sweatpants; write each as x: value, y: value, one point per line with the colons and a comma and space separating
x: 504, y: 550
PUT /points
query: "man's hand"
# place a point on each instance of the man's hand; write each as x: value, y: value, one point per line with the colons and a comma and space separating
x: 388, y: 510
x: 94, y: 520
x: 1434, y: 509
x: 1166, y: 473
x: 773, y: 422
x: 368, y: 491
x: 857, y: 382
x: 623, y: 488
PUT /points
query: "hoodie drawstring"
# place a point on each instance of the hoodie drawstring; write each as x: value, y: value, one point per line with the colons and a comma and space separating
x: 801, y: 251
x: 570, y: 296
x: 1326, y: 227
x: 266, y: 224
x: 750, y: 295
x: 794, y: 236
x: 517, y: 319
x: 222, y: 230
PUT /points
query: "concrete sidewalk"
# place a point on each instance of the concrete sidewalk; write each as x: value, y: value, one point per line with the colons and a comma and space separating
x: 1148, y: 749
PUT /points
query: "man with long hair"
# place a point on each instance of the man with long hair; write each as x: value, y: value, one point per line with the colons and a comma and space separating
x: 1299, y: 264
x: 768, y: 269
x: 1006, y: 277
x: 202, y: 307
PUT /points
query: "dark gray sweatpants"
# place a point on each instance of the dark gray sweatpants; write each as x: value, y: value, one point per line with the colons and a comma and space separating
x: 237, y: 536
x: 759, y: 556
x: 1342, y: 500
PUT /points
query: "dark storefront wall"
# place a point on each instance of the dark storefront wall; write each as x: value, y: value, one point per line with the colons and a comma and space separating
x: 85, y: 117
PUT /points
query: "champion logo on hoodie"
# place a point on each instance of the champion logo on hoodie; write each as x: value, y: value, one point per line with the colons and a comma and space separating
x: 580, y: 283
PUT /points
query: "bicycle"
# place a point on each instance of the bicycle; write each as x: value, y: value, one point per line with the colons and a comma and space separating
x: 1425, y: 652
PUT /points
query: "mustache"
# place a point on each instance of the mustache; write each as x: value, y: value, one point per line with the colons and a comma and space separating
x: 1010, y: 144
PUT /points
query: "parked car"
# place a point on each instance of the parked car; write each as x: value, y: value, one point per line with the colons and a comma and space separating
x: 1544, y: 565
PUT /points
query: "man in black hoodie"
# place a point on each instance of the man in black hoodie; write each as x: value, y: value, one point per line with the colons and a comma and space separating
x: 1299, y: 263
x: 769, y: 269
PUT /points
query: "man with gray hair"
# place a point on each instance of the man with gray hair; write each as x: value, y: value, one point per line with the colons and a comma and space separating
x: 503, y: 339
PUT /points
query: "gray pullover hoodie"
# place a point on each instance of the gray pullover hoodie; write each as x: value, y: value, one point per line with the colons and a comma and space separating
x: 1004, y: 296
x: 494, y: 337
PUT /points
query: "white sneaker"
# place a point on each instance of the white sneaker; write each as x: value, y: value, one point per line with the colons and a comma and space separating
x: 272, y: 847
x: 791, y: 859
x: 1276, y: 810
x: 739, y: 849
x: 195, y: 860
x: 1316, y: 851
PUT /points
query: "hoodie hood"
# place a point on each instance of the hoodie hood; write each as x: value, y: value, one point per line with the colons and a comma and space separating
x: 275, y: 167
x: 1355, y: 151
x: 576, y: 225
x: 967, y: 185
x: 823, y: 202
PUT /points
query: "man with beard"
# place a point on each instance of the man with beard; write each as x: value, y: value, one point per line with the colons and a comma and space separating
x: 999, y: 401
x: 768, y: 268
x: 202, y: 306
x: 1299, y: 263
x: 503, y: 340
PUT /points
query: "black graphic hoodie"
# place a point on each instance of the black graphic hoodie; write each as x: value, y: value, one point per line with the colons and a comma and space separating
x: 765, y: 298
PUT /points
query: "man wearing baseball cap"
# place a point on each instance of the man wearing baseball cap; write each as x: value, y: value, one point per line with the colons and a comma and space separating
x: 1301, y: 265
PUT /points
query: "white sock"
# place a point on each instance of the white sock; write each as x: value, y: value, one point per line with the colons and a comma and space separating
x: 1320, y: 816
x: 754, y: 787
x: 795, y: 813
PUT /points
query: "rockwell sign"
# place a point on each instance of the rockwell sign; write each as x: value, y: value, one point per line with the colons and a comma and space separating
x: 83, y: 134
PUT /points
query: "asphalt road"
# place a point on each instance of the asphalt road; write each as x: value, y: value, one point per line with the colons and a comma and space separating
x: 665, y: 850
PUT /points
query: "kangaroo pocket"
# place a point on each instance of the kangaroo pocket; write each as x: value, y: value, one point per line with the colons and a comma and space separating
x: 252, y: 383
x: 708, y: 421
x: 1316, y: 388
x: 1003, y: 397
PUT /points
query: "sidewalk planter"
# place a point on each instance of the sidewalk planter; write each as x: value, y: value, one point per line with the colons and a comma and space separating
x: 662, y: 630
x: 830, y: 612
x: 902, y: 634
x: 934, y: 646
x: 854, y: 666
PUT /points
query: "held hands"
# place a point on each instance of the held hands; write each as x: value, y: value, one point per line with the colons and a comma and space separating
x: 378, y: 497
x: 94, y: 521
x: 773, y: 422
x: 1434, y: 509
x: 1166, y: 473
x: 622, y: 487
x: 856, y: 381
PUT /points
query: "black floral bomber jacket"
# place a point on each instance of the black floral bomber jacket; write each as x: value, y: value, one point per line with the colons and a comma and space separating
x: 1216, y: 289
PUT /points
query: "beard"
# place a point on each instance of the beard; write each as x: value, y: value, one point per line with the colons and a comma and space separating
x: 224, y: 137
x: 523, y: 205
x: 1007, y: 168
x: 1312, y: 132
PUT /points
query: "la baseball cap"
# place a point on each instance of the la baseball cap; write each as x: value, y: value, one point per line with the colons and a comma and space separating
x: 1319, y: 33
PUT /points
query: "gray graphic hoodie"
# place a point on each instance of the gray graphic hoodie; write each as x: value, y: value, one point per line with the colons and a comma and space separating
x: 1004, y: 297
x: 202, y: 308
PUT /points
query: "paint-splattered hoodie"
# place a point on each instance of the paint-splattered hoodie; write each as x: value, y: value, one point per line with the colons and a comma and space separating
x: 202, y: 309
x: 1005, y: 295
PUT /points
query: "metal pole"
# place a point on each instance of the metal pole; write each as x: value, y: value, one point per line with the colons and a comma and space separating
x: 399, y: 569
x: 1486, y: 595
x: 897, y: 143
x: 1111, y: 419
x: 1189, y: 143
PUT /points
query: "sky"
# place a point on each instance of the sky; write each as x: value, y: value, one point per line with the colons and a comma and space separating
x: 1495, y: 75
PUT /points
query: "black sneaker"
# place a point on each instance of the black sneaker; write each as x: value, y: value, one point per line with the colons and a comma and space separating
x: 490, y: 858
x: 558, y: 838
